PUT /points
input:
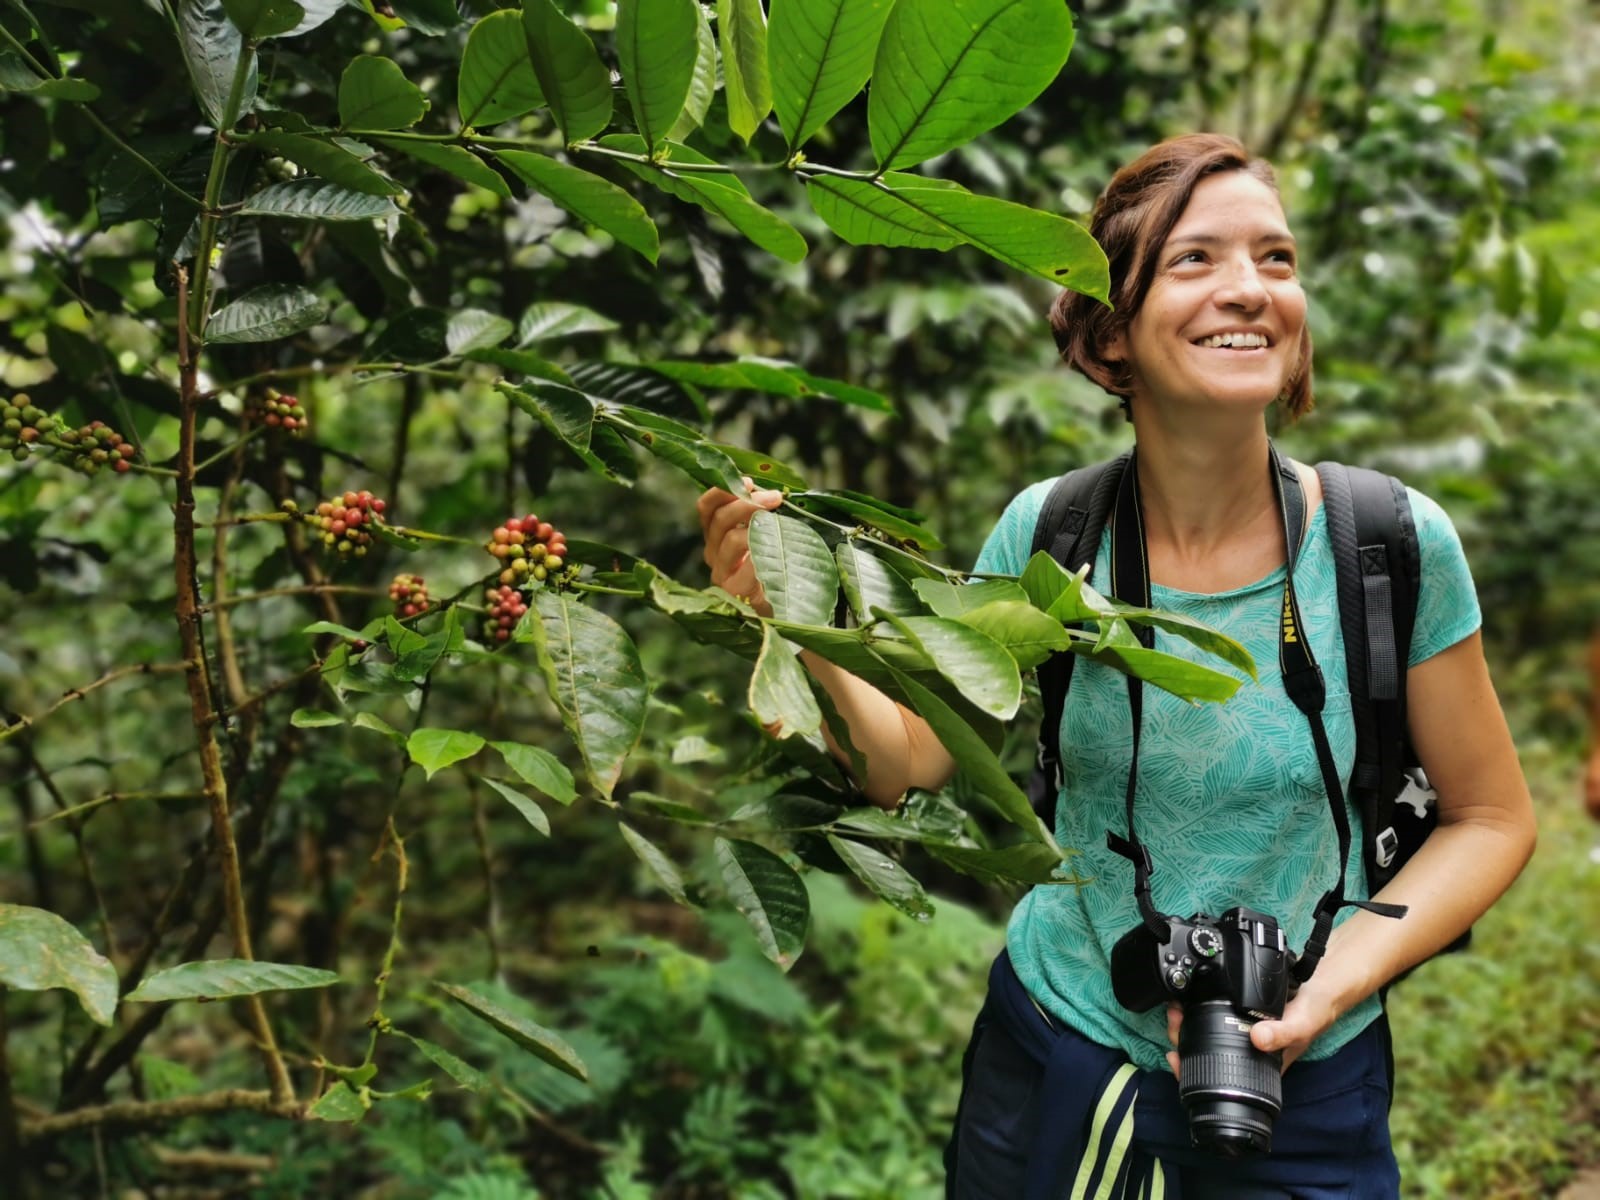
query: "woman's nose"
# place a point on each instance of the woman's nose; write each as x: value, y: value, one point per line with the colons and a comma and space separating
x: 1241, y: 286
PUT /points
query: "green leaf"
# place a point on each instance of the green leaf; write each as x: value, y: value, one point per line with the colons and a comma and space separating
x: 1550, y: 295
x: 952, y: 600
x: 464, y: 1073
x: 554, y: 319
x: 15, y: 77
x: 375, y: 94
x: 575, y: 83
x: 313, y: 718
x: 975, y: 663
x: 821, y: 53
x: 1027, y: 862
x: 431, y: 17
x: 531, y: 812
x: 774, y: 378
x: 317, y: 12
x: 537, y: 767
x: 1208, y: 639
x: 746, y: 81
x: 453, y: 160
x: 520, y: 362
x: 660, y: 865
x: 704, y: 84
x: 762, y: 468
x: 435, y: 749
x: 570, y: 415
x: 211, y: 46
x: 588, y: 197
x: 592, y: 668
x: 885, y: 877
x: 40, y: 951
x: 1028, y: 635
x: 949, y: 70
x: 780, y: 694
x: 474, y: 329
x: 700, y: 461
x: 266, y: 314
x: 333, y: 163
x: 769, y: 895
x: 656, y: 50
x: 530, y: 1036
x: 260, y: 19
x: 869, y: 213
x: 869, y: 515
x: 344, y: 631
x: 377, y: 724
x: 314, y: 200
x: 868, y: 584
x: 1184, y: 679
x: 223, y: 978
x: 795, y: 567
x: 1046, y: 581
x: 341, y: 1102
x: 496, y: 82
x: 719, y: 194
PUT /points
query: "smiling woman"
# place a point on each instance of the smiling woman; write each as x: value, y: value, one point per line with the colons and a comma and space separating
x: 1069, y: 1083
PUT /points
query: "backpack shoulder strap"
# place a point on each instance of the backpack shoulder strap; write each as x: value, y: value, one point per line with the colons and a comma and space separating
x: 1068, y: 528
x: 1377, y: 567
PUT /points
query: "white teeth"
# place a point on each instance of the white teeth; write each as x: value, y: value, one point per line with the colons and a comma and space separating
x: 1238, y: 341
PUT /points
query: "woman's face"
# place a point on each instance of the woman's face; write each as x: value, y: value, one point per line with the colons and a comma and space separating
x: 1222, y: 320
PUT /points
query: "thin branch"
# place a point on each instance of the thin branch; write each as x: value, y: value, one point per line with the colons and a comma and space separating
x: 138, y: 1114
x: 75, y: 826
x: 89, y: 806
x: 23, y: 722
x: 378, y: 1021
x: 310, y: 371
x: 304, y: 589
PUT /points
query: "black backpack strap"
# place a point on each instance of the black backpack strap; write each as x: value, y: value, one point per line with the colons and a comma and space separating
x: 1377, y: 566
x: 1069, y: 528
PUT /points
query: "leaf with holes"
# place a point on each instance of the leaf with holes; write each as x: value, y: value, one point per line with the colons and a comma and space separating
x: 496, y: 82
x: 795, y: 567
x: 886, y: 878
x: 223, y: 978
x: 375, y: 94
x: 596, y: 201
x: 595, y: 678
x: 267, y: 314
x: 535, y: 1038
x: 821, y: 54
x: 769, y: 895
x: 40, y: 951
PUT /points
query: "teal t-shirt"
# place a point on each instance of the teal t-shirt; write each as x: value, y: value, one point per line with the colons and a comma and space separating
x: 1230, y: 800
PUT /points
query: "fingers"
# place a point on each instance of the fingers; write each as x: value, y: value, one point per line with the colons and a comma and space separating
x: 1172, y: 1061
x: 725, y: 520
x: 1174, y: 1022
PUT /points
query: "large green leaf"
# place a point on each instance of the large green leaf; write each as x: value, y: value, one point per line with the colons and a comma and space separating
x: 531, y: 812
x: 575, y: 83
x: 746, y: 80
x: 535, y: 1038
x: 868, y: 584
x: 717, y: 193
x: 537, y: 766
x: 762, y: 468
x: 1184, y: 679
x: 16, y: 77
x: 567, y: 413
x: 1028, y: 635
x: 700, y: 461
x: 588, y: 197
x: 951, y: 600
x: 1211, y: 640
x: 260, y: 19
x: 871, y: 515
x: 869, y: 213
x: 221, y: 978
x: 657, y: 44
x: 40, y: 951
x: 769, y: 895
x: 454, y: 160
x: 780, y: 693
x: 496, y: 82
x: 552, y: 319
x: 948, y: 70
x: 821, y: 53
x: 975, y: 663
x: 266, y: 314
x: 795, y: 567
x: 211, y: 46
x: 314, y: 200
x: 375, y: 94
x: 435, y: 749
x: 331, y: 162
x: 662, y: 867
x: 592, y: 668
x: 1026, y: 862
x: 475, y: 329
x: 887, y: 878
x: 704, y: 84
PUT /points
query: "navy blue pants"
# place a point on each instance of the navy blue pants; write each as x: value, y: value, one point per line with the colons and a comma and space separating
x: 1038, y: 1101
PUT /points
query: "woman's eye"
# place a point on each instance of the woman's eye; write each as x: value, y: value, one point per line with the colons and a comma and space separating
x: 1286, y: 257
x: 1189, y: 256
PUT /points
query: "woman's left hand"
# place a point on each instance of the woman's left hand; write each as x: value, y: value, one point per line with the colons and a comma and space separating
x: 1304, y: 1019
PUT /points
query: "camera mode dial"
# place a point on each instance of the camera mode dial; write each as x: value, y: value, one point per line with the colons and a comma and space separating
x: 1207, y: 942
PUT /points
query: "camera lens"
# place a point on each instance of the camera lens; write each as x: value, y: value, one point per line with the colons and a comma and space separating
x: 1233, y: 1091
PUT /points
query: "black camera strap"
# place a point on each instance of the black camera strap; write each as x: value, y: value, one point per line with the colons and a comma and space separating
x: 1302, y: 680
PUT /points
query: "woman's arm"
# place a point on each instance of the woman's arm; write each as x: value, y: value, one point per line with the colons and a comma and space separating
x: 1484, y: 838
x: 898, y: 747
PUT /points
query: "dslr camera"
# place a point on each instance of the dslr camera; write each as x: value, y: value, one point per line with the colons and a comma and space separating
x: 1227, y: 973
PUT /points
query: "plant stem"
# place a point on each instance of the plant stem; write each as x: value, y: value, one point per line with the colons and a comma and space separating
x: 89, y: 806
x: 195, y: 314
x: 378, y: 1021
x: 132, y: 1114
x: 308, y: 371
x: 78, y: 693
x: 308, y: 589
x: 227, y: 450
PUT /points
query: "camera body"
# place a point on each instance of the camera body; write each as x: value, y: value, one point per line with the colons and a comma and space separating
x: 1227, y: 972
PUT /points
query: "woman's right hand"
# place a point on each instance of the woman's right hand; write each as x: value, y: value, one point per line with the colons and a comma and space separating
x: 725, y: 524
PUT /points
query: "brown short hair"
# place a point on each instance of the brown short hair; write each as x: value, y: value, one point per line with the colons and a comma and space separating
x: 1132, y: 220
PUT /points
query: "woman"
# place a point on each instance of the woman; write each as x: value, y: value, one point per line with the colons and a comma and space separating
x: 1208, y: 331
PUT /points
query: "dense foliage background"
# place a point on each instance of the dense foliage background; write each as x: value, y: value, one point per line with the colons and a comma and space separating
x: 1439, y: 164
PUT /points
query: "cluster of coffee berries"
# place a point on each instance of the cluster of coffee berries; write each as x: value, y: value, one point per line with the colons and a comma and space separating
x: 279, y: 410
x: 26, y: 429
x: 343, y: 522
x: 532, y: 550
x: 506, y: 606
x: 410, y: 595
